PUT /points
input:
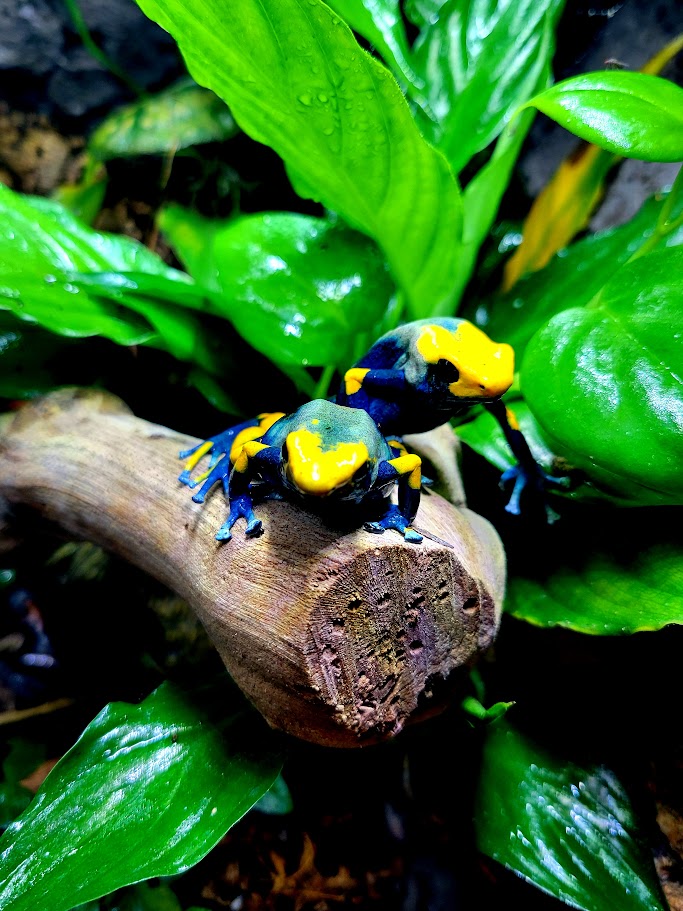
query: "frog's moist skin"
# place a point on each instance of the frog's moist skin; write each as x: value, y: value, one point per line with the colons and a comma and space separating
x: 423, y: 373
x: 322, y: 452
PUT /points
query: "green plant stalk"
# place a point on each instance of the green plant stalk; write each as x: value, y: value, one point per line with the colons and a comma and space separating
x: 664, y: 227
x: 81, y: 27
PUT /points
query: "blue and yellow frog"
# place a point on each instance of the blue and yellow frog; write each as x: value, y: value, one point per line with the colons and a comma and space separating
x: 424, y: 373
x: 412, y: 379
x: 323, y: 454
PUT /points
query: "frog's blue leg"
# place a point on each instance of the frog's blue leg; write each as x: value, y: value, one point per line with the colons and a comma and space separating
x: 398, y: 448
x: 527, y: 473
x: 252, y: 459
x: 407, y: 470
x: 226, y: 443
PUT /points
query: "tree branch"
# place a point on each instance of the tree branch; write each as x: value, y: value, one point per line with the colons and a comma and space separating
x: 338, y: 637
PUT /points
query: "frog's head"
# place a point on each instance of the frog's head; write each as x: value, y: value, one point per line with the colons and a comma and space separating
x: 462, y: 362
x: 328, y: 455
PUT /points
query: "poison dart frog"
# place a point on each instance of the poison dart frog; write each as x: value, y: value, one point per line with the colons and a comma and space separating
x: 324, y: 452
x: 423, y: 373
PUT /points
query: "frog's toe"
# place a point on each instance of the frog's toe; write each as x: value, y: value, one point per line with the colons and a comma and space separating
x: 185, y: 478
x: 224, y: 533
x: 375, y: 527
x: 411, y: 535
x: 254, y: 528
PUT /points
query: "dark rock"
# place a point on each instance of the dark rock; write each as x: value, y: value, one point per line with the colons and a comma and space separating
x: 31, y: 35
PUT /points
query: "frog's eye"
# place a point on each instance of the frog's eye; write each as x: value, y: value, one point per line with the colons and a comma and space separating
x: 447, y: 372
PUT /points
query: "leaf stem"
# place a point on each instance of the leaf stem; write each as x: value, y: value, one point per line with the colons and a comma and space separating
x: 322, y: 389
x: 83, y: 31
x: 664, y: 225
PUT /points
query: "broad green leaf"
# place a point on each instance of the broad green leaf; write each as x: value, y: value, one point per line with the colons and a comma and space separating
x: 605, y: 382
x: 302, y: 290
x: 42, y: 245
x: 569, y: 829
x: 380, y: 23
x: 565, y: 204
x: 631, y: 114
x: 480, y: 61
x: 483, y: 194
x: 296, y: 79
x: 605, y: 572
x: 146, y: 791
x: 181, y: 116
x: 571, y: 279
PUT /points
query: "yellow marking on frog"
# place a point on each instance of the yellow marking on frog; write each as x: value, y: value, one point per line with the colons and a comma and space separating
x: 486, y: 368
x: 353, y: 379
x: 266, y: 420
x: 410, y: 465
x: 512, y: 418
x: 248, y: 451
x: 397, y: 444
x: 196, y: 456
x: 317, y: 472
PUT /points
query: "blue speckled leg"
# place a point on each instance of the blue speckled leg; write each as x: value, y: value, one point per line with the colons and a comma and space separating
x: 216, y: 447
x: 241, y: 507
x: 221, y: 473
x: 537, y: 480
x: 394, y: 518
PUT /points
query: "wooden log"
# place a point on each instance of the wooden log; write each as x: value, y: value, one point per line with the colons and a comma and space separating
x: 336, y: 637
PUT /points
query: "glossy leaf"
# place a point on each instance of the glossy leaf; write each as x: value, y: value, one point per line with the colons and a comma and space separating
x: 571, y: 279
x: 483, y: 194
x: 181, y: 116
x: 302, y: 290
x: 296, y: 79
x: 147, y: 791
x: 42, y: 245
x: 565, y: 204
x: 568, y: 829
x: 605, y: 382
x: 607, y: 572
x: 631, y: 114
x: 381, y: 24
x: 480, y: 61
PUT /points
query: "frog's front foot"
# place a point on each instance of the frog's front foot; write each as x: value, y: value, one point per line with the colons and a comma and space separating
x: 537, y: 481
x: 241, y: 507
x: 393, y: 518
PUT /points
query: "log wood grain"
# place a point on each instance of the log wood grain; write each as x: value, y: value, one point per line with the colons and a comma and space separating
x: 337, y: 637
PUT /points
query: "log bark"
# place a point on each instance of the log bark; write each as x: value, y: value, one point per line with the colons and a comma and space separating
x: 337, y: 637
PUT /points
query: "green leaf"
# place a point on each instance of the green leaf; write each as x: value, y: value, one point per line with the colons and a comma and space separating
x: 147, y: 791
x: 480, y: 61
x: 181, y: 116
x: 296, y: 79
x: 633, y: 114
x: 604, y: 572
x: 277, y: 801
x: 569, y: 829
x: 302, y: 290
x: 605, y: 382
x: 381, y: 24
x: 483, y: 195
x: 42, y: 245
x: 571, y: 279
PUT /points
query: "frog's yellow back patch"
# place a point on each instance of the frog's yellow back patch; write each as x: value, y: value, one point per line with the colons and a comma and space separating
x: 486, y: 368
x: 318, y: 471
